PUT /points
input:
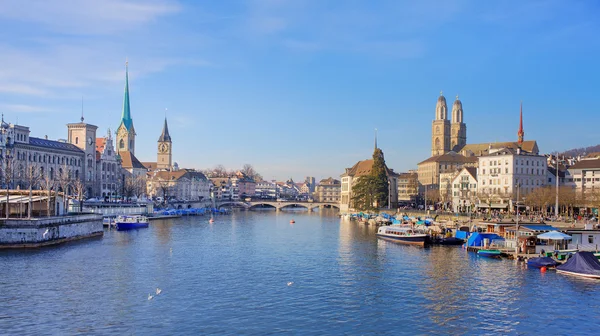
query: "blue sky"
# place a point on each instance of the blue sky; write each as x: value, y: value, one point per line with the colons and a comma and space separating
x: 297, y: 87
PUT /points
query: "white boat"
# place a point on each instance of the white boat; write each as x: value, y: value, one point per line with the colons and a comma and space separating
x: 402, y: 234
x: 131, y: 222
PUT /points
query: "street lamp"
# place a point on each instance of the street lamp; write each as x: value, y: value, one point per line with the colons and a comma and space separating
x: 517, y: 224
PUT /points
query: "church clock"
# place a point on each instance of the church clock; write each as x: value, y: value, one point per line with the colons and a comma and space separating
x: 163, y: 147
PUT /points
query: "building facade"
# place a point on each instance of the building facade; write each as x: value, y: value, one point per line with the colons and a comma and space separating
x: 464, y: 190
x: 109, y: 174
x: 408, y: 187
x: 328, y: 190
x: 180, y: 185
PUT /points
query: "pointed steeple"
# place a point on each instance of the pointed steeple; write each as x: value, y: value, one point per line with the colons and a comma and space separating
x: 376, y: 138
x: 521, y: 133
x: 164, y: 136
x: 126, y: 117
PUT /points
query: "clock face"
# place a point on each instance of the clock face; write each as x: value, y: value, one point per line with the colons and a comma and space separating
x: 163, y: 147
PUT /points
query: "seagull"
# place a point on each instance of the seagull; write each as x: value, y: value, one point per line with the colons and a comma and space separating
x: 158, y: 290
x: 150, y: 297
x: 290, y: 283
x: 45, y: 233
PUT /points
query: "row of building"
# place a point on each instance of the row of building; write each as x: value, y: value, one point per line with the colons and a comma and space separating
x: 468, y: 177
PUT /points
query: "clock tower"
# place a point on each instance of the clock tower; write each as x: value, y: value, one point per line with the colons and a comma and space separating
x: 165, y: 153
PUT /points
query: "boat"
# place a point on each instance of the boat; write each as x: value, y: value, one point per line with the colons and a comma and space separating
x: 542, y: 262
x: 490, y: 253
x: 131, y: 222
x: 450, y: 241
x: 402, y: 234
x: 583, y: 264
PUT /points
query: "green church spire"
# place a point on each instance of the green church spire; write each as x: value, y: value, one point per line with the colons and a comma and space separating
x: 126, y: 117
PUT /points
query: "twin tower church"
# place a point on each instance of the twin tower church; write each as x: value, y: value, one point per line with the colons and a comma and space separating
x: 126, y: 140
x: 448, y: 135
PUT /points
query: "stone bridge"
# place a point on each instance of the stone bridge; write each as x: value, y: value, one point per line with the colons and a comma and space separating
x: 278, y: 205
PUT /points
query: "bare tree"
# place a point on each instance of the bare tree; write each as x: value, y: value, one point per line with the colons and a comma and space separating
x: 33, y: 174
x: 8, y: 172
x: 79, y: 189
x: 165, y: 188
x: 250, y: 172
x: 48, y: 183
x: 64, y: 182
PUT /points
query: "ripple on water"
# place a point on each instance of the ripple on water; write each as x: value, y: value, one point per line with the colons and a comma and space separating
x: 230, y: 277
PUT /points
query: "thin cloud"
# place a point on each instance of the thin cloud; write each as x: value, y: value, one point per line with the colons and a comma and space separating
x: 80, y: 17
x: 22, y: 108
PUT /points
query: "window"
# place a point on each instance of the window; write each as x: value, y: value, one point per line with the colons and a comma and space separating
x: 76, y: 140
x: 590, y: 239
x: 506, y: 170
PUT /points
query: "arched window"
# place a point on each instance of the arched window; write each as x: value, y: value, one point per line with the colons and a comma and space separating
x: 121, y: 144
x: 76, y: 140
x: 437, y: 143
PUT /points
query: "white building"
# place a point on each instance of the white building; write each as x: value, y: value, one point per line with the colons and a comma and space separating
x: 182, y: 185
x: 464, y: 190
x: 585, y: 175
x: 108, y: 168
x: 266, y: 190
x: 500, y: 172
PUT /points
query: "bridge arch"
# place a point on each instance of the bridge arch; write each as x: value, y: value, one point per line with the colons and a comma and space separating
x: 263, y: 204
x: 220, y: 205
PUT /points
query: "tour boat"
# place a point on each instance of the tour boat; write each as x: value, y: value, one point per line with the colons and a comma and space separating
x: 583, y: 264
x: 490, y: 253
x: 402, y: 234
x: 131, y: 222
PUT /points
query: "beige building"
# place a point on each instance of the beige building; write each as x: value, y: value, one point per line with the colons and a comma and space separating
x: 183, y: 185
x: 429, y: 170
x: 447, y: 135
x: 328, y: 190
x: 408, y: 186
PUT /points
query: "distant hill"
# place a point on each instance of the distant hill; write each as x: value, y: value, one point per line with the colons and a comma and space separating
x: 582, y: 151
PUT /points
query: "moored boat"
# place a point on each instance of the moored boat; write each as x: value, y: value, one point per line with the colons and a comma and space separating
x: 542, y: 262
x: 583, y: 264
x: 402, y: 234
x: 490, y: 253
x: 131, y: 222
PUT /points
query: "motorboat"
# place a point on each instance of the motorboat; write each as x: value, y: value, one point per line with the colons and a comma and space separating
x: 583, y: 264
x: 542, y: 262
x: 489, y: 253
x: 402, y: 234
x: 131, y: 222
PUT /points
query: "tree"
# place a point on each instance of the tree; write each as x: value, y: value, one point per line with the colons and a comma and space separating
x: 380, y: 178
x: 79, y: 188
x: 33, y: 174
x: 249, y: 171
x: 363, y: 193
x: 64, y: 183
x: 372, y: 190
x: 48, y: 183
x: 8, y: 172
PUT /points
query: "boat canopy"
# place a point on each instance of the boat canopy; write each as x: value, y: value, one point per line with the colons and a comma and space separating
x: 583, y: 263
x: 476, y: 239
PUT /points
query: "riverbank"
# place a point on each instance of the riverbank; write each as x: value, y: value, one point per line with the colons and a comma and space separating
x: 44, y: 231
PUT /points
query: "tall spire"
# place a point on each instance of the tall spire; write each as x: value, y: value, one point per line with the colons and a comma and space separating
x: 164, y: 136
x: 376, y: 138
x: 126, y: 117
x: 521, y: 133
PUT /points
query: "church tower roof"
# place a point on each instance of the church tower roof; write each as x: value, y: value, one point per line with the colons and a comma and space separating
x: 126, y: 116
x: 521, y: 133
x: 441, y: 108
x: 164, y: 136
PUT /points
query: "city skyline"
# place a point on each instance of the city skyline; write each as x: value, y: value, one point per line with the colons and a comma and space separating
x: 275, y: 84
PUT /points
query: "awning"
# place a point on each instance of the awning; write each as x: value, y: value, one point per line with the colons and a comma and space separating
x: 493, y: 205
x: 554, y: 235
x: 20, y: 199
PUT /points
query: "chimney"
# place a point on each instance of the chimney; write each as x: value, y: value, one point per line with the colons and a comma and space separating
x: 46, y: 137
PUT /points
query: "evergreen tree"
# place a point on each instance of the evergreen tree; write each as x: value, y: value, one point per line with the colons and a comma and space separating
x: 371, y: 191
x: 380, y: 178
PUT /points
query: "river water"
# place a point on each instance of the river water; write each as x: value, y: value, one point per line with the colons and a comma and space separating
x: 255, y: 273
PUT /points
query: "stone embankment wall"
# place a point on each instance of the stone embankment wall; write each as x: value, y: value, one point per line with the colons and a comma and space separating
x: 35, y: 232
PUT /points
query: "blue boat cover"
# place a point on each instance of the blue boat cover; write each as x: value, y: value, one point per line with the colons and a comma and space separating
x: 462, y: 235
x: 541, y: 262
x: 539, y: 227
x: 476, y: 239
x: 583, y: 263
